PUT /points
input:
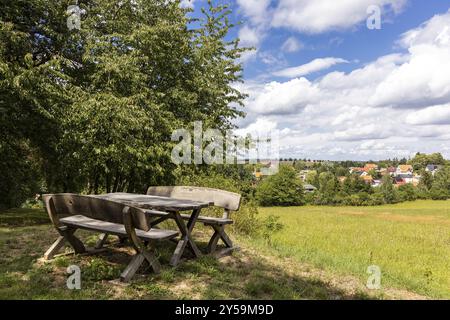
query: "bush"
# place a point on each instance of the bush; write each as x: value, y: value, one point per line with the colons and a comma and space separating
x: 246, y: 219
x: 270, y: 226
x: 281, y: 189
x: 407, y: 192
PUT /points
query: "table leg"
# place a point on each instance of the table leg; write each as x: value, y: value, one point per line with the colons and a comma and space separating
x: 186, y: 237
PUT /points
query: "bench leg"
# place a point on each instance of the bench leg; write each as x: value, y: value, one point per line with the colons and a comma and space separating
x: 54, y: 248
x: 68, y: 234
x: 136, y: 262
x: 219, y: 233
x: 101, y: 240
x: 212, y: 245
x: 132, y: 267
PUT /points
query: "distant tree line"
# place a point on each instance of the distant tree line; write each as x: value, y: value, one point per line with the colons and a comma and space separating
x: 337, y: 186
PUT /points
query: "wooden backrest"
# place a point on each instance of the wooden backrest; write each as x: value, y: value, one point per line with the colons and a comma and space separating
x: 99, y: 209
x: 228, y: 200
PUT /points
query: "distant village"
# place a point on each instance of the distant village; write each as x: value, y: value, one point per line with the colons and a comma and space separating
x: 371, y: 173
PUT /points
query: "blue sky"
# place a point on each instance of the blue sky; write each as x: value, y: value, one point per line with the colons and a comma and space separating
x: 336, y: 89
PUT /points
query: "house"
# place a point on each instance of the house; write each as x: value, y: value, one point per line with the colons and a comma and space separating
x: 376, y: 183
x: 367, y: 179
x: 404, y: 169
x: 370, y: 166
x: 398, y: 181
x: 356, y: 170
x: 391, y: 171
x: 406, y: 177
x: 309, y: 188
x: 432, y: 168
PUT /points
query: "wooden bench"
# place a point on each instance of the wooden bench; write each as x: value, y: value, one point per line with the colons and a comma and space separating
x: 70, y: 212
x: 229, y: 201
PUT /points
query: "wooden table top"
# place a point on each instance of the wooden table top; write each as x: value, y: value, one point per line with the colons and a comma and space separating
x: 154, y: 202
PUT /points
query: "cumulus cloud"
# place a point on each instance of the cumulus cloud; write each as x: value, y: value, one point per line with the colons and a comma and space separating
x: 281, y: 98
x: 400, y: 102
x: 431, y: 115
x: 324, y: 15
x: 313, y: 66
x: 421, y: 81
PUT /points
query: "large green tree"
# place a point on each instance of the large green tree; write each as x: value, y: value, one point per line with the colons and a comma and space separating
x: 94, y: 108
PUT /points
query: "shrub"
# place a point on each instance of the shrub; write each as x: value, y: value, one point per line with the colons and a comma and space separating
x: 281, y: 189
x: 270, y: 226
x: 407, y: 192
x: 245, y: 220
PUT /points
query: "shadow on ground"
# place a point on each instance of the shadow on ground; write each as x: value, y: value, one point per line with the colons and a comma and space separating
x: 25, y: 235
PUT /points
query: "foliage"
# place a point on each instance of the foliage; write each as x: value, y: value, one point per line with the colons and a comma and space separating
x: 281, y: 189
x: 270, y: 226
x: 421, y: 160
x: 440, y: 189
x: 92, y: 110
x: 246, y: 219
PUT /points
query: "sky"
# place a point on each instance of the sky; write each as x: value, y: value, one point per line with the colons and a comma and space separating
x: 336, y: 89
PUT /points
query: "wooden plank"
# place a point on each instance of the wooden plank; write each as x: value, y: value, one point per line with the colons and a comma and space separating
x: 101, y: 240
x: 54, y: 248
x: 68, y: 234
x: 186, y: 237
x: 223, y: 236
x: 154, y: 202
x: 83, y: 222
x: 132, y: 267
x: 212, y: 245
x: 209, y: 220
x: 220, y: 198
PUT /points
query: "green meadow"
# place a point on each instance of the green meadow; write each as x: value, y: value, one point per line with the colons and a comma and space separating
x: 410, y: 242
x: 321, y: 253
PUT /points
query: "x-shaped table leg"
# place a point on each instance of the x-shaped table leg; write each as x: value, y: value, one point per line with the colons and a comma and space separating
x: 186, y: 236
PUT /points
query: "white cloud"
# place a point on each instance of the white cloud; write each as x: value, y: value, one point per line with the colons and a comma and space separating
x: 249, y: 37
x: 291, y: 45
x: 324, y: 15
x: 187, y: 3
x: 310, y: 67
x: 281, y: 98
x: 256, y: 10
x: 421, y: 81
x: 431, y: 115
x: 396, y: 105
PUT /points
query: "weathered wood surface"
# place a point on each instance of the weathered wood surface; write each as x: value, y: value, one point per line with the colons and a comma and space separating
x: 69, y: 212
x: 83, y: 222
x: 219, y: 198
x: 209, y: 220
x: 229, y: 201
x: 154, y: 202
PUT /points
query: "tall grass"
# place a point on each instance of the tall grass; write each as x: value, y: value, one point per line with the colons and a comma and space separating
x: 410, y: 242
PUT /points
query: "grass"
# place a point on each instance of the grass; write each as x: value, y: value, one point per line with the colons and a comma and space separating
x: 410, y: 242
x: 322, y: 253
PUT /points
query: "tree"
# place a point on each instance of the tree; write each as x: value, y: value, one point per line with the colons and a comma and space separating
x: 387, y: 189
x: 312, y: 178
x: 96, y: 107
x: 421, y: 160
x: 440, y: 189
x: 281, y: 189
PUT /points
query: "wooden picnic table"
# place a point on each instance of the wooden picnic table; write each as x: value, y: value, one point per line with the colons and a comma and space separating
x: 171, y: 209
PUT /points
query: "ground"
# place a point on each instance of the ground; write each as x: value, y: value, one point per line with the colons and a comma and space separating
x: 321, y: 253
